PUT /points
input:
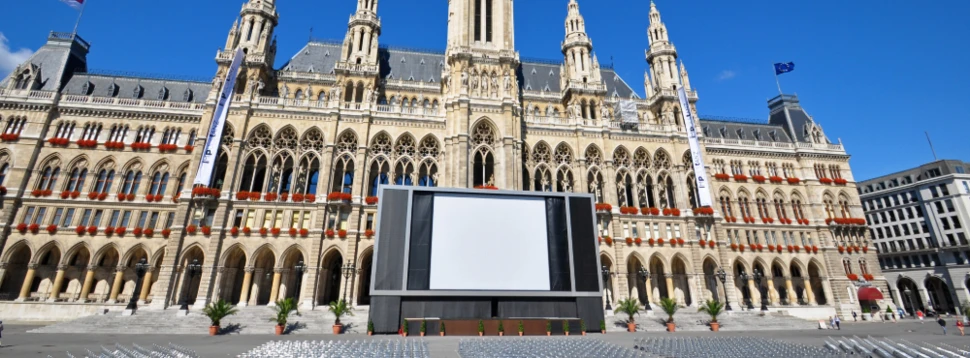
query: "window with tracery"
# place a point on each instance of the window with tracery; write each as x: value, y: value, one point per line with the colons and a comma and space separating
x: 106, y: 177
x: 661, y: 160
x: 726, y: 209
x: 754, y: 168
x: 719, y: 167
x: 15, y: 125
x: 132, y: 180
x: 77, y: 177
x: 772, y: 169
x: 64, y: 130
x: 820, y: 171
x: 835, y: 171
x: 483, y: 138
x: 91, y: 131
x: 159, y: 182
x: 780, y: 211
x: 344, y: 166
x: 737, y: 168
x: 49, y: 175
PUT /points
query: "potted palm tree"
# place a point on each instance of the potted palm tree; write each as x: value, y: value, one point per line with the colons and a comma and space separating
x: 501, y: 328
x: 521, y: 328
x: 424, y: 328
x: 548, y: 328
x: 582, y: 327
x: 603, y: 327
x: 565, y: 327
x: 370, y: 328
x: 216, y: 311
x: 339, y: 309
x: 481, y: 328
x: 631, y: 307
x: 669, y: 306
x: 713, y: 309
x: 284, y: 308
x: 404, y: 328
x: 441, y: 329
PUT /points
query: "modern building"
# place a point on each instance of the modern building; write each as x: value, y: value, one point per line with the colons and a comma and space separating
x: 98, y: 167
x: 918, y: 221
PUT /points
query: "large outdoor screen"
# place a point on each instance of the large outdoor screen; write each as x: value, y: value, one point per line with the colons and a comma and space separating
x: 489, y: 243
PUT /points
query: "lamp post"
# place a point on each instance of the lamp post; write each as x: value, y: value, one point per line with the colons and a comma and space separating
x: 190, y: 271
x: 722, y: 275
x: 299, y: 268
x: 140, y: 268
x: 909, y: 296
x: 606, y: 277
x: 643, y: 274
x: 744, y: 278
x: 760, y: 277
x: 348, y: 270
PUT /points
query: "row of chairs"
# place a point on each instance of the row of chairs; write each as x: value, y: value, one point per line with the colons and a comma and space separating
x: 136, y: 351
x: 348, y: 348
x: 889, y: 348
x: 542, y: 348
x: 730, y: 347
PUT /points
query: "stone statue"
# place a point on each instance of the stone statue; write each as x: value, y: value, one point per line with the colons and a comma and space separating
x: 369, y: 96
x: 566, y: 185
x: 484, y: 83
x: 260, y: 85
x: 621, y: 190
x: 434, y: 179
x: 284, y: 91
x: 491, y: 180
x: 508, y: 81
x: 475, y: 82
x: 604, y: 113
x: 494, y: 83
x: 414, y: 178
x: 464, y: 78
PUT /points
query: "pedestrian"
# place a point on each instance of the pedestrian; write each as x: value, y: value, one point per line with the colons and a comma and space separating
x: 1, y: 333
x: 838, y: 323
x: 832, y: 322
x: 942, y: 324
x: 902, y: 314
x: 854, y: 316
x: 960, y: 325
x: 919, y: 314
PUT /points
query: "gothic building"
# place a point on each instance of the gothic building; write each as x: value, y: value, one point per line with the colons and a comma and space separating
x: 96, y: 169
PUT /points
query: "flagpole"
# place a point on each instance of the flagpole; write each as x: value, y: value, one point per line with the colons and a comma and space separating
x: 78, y: 22
x: 777, y: 82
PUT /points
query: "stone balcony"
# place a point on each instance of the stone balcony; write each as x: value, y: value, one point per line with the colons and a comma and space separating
x: 129, y: 104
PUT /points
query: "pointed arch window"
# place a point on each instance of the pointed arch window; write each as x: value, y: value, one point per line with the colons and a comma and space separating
x: 131, y: 183
x: 4, y: 169
x: 159, y: 183
x: 76, y: 181
x: 105, y: 179
x: 49, y: 178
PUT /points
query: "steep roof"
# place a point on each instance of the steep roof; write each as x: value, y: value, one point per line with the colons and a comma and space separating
x: 137, y: 87
x: 744, y: 130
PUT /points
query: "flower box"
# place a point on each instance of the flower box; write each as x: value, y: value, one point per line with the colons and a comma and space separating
x: 234, y: 231
x: 759, y: 178
x: 771, y: 248
x: 603, y: 207
x: 808, y: 248
x: 304, y: 232
x: 794, y: 181
x: 629, y: 241
x: 191, y: 229
x: 276, y: 231
x: 486, y: 187
x: 712, y: 244
x: 102, y: 196
x: 330, y: 233
x: 852, y: 277
x: 740, y: 177
x: 310, y: 198
x: 271, y: 196
x: 865, y: 249
x: 206, y: 192
x: 814, y: 249
x: 371, y: 200
x: 255, y: 195
x: 33, y: 228
x: 660, y: 242
x: 609, y: 240
x: 869, y: 277
x: 242, y: 195
x: 790, y: 248
x: 775, y: 179
x: 298, y: 198
x: 51, y: 229
x: 825, y: 181
x: 120, y: 231
x: 703, y: 243
x: 722, y: 176
x: 760, y: 247
x: 342, y: 234
x: 148, y: 232
x: 840, y: 181
x: 369, y: 233
x: 741, y: 248
x: 841, y: 249
x: 263, y: 231
x: 294, y: 231
x: 638, y: 241
x: 87, y: 143
x: 188, y: 148
x: 753, y: 247
x: 166, y: 233
x: 338, y: 196
x: 651, y: 241
x: 706, y: 210
x: 9, y: 137
x: 680, y: 241
x: 137, y: 231
x: 284, y: 196
x: 80, y: 230
x: 247, y: 230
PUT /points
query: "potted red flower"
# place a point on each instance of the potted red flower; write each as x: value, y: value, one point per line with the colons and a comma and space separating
x: 149, y: 232
x: 638, y: 241
x: 330, y: 233
x: 371, y: 200
x: 247, y: 230
x: 293, y: 231
x: 276, y: 231
x: 629, y: 241
x: 51, y: 229
x: 794, y: 181
x: 369, y: 233
x: 263, y: 231
x: 166, y: 233
x: 234, y: 231
x: 191, y: 229
x: 137, y: 231
x: 342, y: 234
x: 304, y: 232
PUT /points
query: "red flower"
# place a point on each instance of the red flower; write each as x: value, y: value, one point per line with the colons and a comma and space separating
x: 206, y: 230
x: 651, y: 241
x: 149, y: 198
x: 645, y: 211
x: 638, y: 241
x: 166, y: 233
x: 740, y: 177
x: 852, y: 277
x: 680, y: 241
x: 654, y: 211
x: 741, y: 248
x: 840, y: 181
x: 703, y: 243
x: 330, y: 233
x: 369, y: 233
x: 335, y: 196
x: 825, y: 181
x: 276, y: 231
x: 255, y: 195
x: 815, y: 249
x: 790, y: 248
x: 841, y: 249
x: 712, y: 244
x: 722, y: 176
x: 660, y: 242
x: 33, y: 228
x: 121, y: 196
x: 667, y: 211
x: 137, y: 231
x: 603, y: 207
x: 271, y: 196
x: 760, y: 247
x: 609, y: 240
x: 758, y: 178
x: 149, y: 232
x: 263, y: 231
x: 798, y: 248
x: 65, y: 194
x: 675, y: 212
x: 131, y: 197
x: 298, y: 198
x: 371, y: 200
x: 706, y: 210
x: 246, y: 230
x: 242, y: 195
x: 121, y: 231
x: 808, y: 248
x: 794, y: 181
x: 36, y: 192
x: 304, y: 232
x: 51, y: 229
x: 234, y: 231
x: 22, y: 227
x: 191, y: 229
x: 92, y: 230
x: 856, y: 248
x: 188, y: 148
x: 753, y: 247
x: 771, y: 248
x: 102, y: 196
x: 342, y: 234
x: 775, y: 179
x: 629, y: 241
x: 80, y: 230
x: 778, y: 248
x: 293, y: 231
x: 310, y: 198
x: 865, y: 249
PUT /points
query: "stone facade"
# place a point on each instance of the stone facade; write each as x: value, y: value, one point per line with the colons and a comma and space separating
x: 97, y: 169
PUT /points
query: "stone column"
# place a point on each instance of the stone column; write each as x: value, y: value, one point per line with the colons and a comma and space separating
x: 217, y: 290
x: 755, y: 293
x: 670, y: 286
x: 827, y: 290
x: 648, y: 286
x: 772, y: 292
x: 810, y: 293
x: 3, y: 272
x: 791, y: 291
x: 274, y: 291
x: 146, y: 285
x: 116, y: 286
x: 28, y: 281
x: 58, y: 283
x: 88, y: 282
x: 246, y: 285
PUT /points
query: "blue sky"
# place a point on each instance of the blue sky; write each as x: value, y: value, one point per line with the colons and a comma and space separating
x: 875, y: 73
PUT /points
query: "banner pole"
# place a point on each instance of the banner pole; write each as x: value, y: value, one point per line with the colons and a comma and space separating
x: 78, y: 22
x: 777, y: 82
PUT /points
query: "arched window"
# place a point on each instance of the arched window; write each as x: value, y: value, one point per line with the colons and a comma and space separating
x: 4, y: 169
x: 863, y: 267
x: 105, y: 179
x: 49, y: 178
x: 76, y: 181
x: 131, y: 183
x: 483, y: 137
x: 847, y: 266
x: 726, y: 208
x: 159, y: 183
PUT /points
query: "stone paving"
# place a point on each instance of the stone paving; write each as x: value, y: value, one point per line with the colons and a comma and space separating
x: 19, y: 343
x: 698, y: 322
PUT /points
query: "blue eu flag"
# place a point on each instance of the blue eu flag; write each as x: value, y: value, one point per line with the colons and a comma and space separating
x: 784, y: 67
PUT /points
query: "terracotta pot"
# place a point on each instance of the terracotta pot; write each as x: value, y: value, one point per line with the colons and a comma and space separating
x: 548, y: 333
x: 481, y: 334
x: 441, y: 334
x: 369, y: 333
x: 520, y: 334
x: 422, y: 334
x: 501, y: 334
x: 584, y: 333
x: 567, y: 333
x: 603, y: 332
x: 631, y: 327
x: 279, y: 330
x: 671, y: 327
x: 213, y: 330
x: 337, y: 328
x: 715, y: 326
x: 405, y: 334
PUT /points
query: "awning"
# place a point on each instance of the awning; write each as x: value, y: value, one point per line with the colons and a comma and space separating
x: 869, y: 294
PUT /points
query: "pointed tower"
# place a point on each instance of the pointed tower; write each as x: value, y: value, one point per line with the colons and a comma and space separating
x: 582, y: 68
x: 253, y: 33
x: 662, y: 55
x: 360, y: 44
x: 481, y: 25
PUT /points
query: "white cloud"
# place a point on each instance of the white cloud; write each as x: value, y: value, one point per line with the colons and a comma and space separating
x: 726, y: 75
x: 9, y: 60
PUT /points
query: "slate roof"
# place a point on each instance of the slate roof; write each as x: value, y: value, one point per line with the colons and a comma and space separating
x: 425, y: 66
x: 715, y: 128
x: 105, y: 85
x: 61, y: 52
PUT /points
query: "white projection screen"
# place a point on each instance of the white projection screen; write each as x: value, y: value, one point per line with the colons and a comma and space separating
x: 489, y: 243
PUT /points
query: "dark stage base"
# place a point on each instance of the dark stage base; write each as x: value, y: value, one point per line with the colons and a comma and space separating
x: 531, y: 327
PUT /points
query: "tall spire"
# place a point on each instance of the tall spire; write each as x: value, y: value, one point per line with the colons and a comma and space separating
x: 582, y: 69
x: 360, y: 44
x: 482, y: 27
x: 662, y: 55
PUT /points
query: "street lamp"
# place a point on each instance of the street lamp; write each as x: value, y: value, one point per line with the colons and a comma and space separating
x: 190, y: 271
x: 140, y: 268
x: 760, y: 277
x: 744, y: 278
x: 606, y: 277
x: 299, y: 278
x: 348, y: 270
x: 722, y: 275
x: 909, y: 296
x: 644, y: 274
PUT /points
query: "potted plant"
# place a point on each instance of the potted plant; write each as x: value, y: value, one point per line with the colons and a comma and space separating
x: 713, y: 309
x: 669, y: 307
x: 548, y: 328
x: 501, y: 328
x: 441, y: 329
x: 603, y: 327
x: 424, y: 328
x: 481, y: 328
x: 582, y: 327
x: 404, y: 328
x: 565, y: 327
x: 284, y: 308
x: 521, y: 329
x: 370, y: 328
x: 339, y: 309
x: 631, y: 307
x: 866, y: 314
x: 889, y: 312
x: 216, y: 311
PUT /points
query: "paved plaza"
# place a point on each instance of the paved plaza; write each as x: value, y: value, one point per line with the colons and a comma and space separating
x: 19, y: 343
